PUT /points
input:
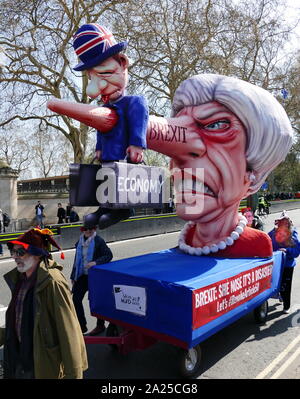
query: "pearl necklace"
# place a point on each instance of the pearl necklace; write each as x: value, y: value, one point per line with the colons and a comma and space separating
x: 229, y: 240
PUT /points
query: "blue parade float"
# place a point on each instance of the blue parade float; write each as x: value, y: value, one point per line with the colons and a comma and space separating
x: 173, y: 297
x: 236, y: 133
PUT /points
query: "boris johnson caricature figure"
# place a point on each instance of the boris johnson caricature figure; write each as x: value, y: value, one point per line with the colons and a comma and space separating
x: 107, y: 69
x: 102, y: 59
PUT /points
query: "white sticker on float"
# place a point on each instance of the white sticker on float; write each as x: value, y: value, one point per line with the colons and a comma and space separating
x: 130, y: 299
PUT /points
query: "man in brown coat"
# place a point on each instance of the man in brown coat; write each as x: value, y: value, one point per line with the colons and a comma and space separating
x: 42, y: 337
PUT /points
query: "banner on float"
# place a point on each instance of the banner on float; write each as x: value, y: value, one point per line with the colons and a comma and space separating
x: 214, y: 300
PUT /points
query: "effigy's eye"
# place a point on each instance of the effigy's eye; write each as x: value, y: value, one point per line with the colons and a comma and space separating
x: 104, y: 74
x: 218, y: 125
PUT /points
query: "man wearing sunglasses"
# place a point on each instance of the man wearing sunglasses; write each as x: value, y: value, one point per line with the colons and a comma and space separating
x: 42, y: 337
x: 91, y: 250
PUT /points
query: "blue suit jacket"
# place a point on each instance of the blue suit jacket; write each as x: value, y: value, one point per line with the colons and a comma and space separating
x: 131, y: 128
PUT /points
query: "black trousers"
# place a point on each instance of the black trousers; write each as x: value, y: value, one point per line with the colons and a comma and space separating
x: 286, y: 286
x: 80, y: 288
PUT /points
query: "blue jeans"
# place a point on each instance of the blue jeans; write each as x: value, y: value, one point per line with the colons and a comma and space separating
x: 1, y: 249
x: 39, y: 220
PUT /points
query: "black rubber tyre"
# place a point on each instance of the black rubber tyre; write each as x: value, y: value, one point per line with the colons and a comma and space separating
x: 261, y: 313
x: 189, y: 361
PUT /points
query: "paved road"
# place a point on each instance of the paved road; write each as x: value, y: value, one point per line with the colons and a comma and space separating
x: 243, y: 350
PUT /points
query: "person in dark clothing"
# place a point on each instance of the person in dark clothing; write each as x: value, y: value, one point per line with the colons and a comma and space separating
x: 73, y: 215
x: 61, y: 213
x: 285, y: 238
x: 91, y: 250
x: 257, y: 223
x: 68, y: 213
x: 39, y: 214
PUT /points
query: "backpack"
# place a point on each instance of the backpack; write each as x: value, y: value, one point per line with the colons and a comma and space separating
x: 6, y: 219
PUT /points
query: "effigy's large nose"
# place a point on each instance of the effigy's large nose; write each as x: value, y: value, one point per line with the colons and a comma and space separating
x: 100, y: 118
x: 168, y: 135
x: 165, y: 135
x: 95, y: 87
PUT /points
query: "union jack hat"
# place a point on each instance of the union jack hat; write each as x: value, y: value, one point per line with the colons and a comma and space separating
x: 93, y: 44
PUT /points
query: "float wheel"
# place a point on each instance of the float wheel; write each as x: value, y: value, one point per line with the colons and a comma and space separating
x: 189, y: 361
x: 261, y: 313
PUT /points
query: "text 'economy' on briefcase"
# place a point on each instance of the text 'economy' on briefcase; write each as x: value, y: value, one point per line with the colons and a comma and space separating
x: 118, y: 185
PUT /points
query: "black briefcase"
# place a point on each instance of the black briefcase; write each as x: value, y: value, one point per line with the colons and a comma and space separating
x: 83, y: 184
x: 118, y: 185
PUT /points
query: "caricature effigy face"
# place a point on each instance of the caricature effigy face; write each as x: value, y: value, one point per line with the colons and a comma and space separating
x: 284, y: 223
x: 108, y: 79
x: 282, y: 234
x: 216, y: 142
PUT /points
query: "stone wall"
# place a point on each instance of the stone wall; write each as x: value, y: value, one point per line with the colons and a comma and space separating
x: 27, y: 203
x: 8, y: 190
x: 20, y: 205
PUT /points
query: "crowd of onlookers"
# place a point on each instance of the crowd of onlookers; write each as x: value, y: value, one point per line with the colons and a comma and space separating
x: 70, y: 215
x: 279, y: 196
x: 64, y: 215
